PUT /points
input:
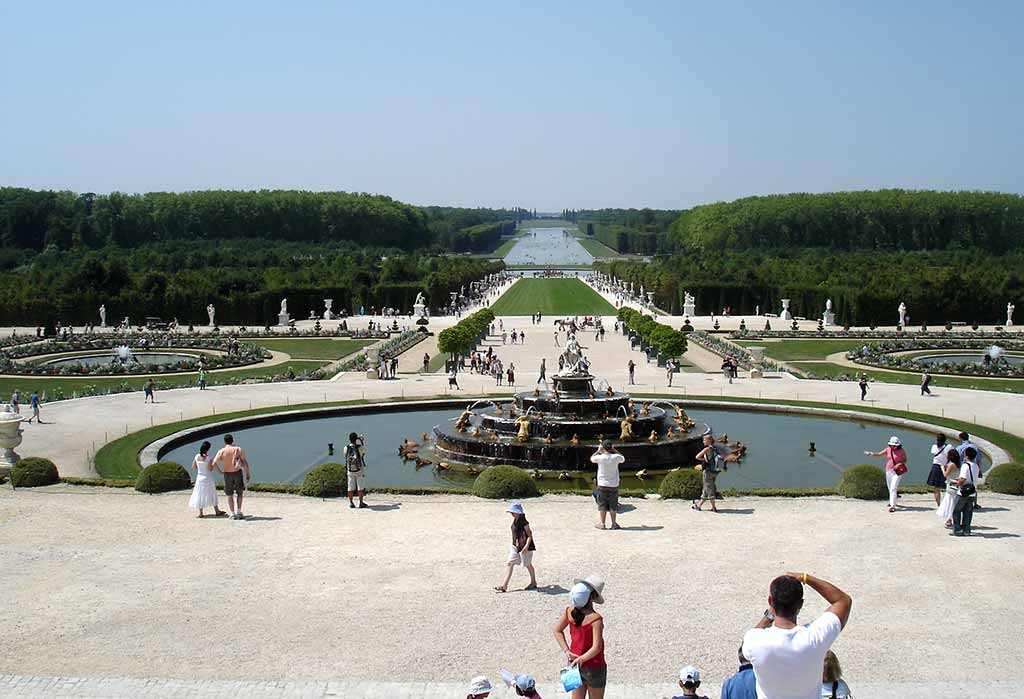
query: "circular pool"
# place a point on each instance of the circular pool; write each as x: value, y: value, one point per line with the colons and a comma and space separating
x: 283, y: 450
x: 142, y: 360
x: 964, y: 358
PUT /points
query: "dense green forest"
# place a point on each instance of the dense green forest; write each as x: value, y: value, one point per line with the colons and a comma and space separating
x: 947, y: 255
x: 628, y: 231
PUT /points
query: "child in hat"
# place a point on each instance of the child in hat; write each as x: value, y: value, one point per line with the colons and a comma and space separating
x: 689, y: 681
x: 522, y: 548
x: 479, y: 688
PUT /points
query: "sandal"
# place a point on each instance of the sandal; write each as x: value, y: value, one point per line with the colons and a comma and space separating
x: 531, y: 586
x: 694, y: 507
x: 500, y: 589
x: 599, y: 526
x: 892, y: 509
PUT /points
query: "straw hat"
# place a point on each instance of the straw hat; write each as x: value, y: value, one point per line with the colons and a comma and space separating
x: 596, y: 584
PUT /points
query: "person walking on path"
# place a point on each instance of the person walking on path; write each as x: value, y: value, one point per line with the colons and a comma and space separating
x: 511, y: 373
x: 426, y: 362
x: 543, y: 370
x: 148, y: 391
x: 202, y: 379
x: 16, y: 402
x: 453, y: 379
x: 632, y: 370
x: 204, y: 492
x: 895, y: 467
x: 33, y: 403
x: 863, y: 383
x: 521, y: 550
x: 710, y: 464
x: 585, y: 648
x: 231, y: 461
x: 606, y: 494
x: 788, y: 658
x: 926, y: 379
x: 940, y: 457
x: 355, y: 465
x: 670, y: 369
x: 967, y: 485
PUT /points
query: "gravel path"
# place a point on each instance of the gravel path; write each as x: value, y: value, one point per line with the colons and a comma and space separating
x: 113, y: 583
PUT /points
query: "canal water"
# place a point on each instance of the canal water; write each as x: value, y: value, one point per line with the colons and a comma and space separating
x: 548, y: 247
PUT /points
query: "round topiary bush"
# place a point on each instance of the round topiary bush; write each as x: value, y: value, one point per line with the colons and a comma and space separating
x: 864, y: 482
x: 684, y: 484
x: 163, y: 477
x: 503, y: 483
x: 325, y: 481
x: 34, y: 471
x: 1006, y: 478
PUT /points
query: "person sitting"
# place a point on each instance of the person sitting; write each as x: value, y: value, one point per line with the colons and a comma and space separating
x: 479, y: 688
x: 689, y: 681
x: 741, y: 685
x: 787, y: 657
x: 832, y: 684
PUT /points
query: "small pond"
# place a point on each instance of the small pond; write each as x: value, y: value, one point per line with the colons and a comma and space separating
x: 979, y: 359
x: 142, y: 359
x: 777, y: 455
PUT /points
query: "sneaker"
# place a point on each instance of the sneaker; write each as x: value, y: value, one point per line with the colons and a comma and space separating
x: 616, y: 526
x: 352, y: 506
x: 363, y: 506
x: 234, y: 515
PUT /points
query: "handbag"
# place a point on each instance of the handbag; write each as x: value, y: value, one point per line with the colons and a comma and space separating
x: 969, y: 490
x: 571, y: 678
x: 900, y: 469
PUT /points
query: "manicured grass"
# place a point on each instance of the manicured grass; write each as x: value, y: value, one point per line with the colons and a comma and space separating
x: 48, y: 387
x: 316, y: 348
x: 797, y: 350
x: 827, y: 369
x: 558, y: 297
x: 596, y: 247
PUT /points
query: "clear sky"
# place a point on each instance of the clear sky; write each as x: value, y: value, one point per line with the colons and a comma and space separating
x: 540, y: 104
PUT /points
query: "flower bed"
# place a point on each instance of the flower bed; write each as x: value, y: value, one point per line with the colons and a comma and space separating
x: 728, y: 349
x: 881, y: 354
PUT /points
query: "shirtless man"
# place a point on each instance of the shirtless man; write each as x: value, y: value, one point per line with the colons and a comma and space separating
x: 231, y: 461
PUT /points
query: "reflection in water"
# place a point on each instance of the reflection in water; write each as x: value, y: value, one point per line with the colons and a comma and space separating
x: 548, y: 246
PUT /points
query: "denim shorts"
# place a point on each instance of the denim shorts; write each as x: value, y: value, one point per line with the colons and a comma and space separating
x: 596, y: 677
x: 607, y: 499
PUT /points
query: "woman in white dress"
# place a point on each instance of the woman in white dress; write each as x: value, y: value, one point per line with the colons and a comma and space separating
x: 949, y: 498
x: 204, y: 494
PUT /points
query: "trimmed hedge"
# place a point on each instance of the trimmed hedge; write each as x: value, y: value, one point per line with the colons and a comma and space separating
x: 325, y: 481
x: 684, y: 484
x: 163, y: 477
x: 34, y: 471
x: 863, y: 482
x: 503, y: 483
x: 1007, y: 478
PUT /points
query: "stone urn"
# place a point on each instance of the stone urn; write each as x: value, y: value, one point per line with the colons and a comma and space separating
x: 373, y: 359
x: 10, y: 438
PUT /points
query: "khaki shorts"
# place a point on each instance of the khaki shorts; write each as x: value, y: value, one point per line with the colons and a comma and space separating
x: 517, y: 558
x: 607, y: 499
x: 356, y: 481
x: 234, y: 482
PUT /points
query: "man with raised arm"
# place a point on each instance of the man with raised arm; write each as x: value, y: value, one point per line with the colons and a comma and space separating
x: 788, y: 657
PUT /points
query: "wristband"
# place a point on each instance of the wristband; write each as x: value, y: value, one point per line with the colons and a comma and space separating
x: 805, y: 578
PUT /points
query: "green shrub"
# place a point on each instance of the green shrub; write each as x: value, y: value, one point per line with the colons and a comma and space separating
x: 34, y: 471
x: 863, y: 482
x: 1007, y: 478
x: 684, y: 484
x: 503, y: 483
x: 163, y: 477
x: 325, y: 481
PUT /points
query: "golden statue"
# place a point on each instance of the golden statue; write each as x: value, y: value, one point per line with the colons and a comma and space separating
x: 476, y: 432
x: 645, y: 410
x: 626, y: 435
x: 575, y: 441
x: 683, y: 419
x: 463, y: 421
x: 609, y: 392
x: 524, y: 428
x: 654, y: 437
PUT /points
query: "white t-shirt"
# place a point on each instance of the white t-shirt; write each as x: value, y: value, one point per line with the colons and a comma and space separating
x: 970, y: 472
x: 940, y: 455
x: 788, y: 662
x: 607, y: 468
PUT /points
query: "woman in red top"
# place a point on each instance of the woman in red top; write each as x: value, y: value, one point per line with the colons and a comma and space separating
x: 895, y: 467
x: 586, y: 634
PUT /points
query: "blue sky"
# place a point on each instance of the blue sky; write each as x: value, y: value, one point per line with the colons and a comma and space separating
x: 545, y: 105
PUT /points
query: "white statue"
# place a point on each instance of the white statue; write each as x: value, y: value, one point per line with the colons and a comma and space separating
x: 903, y: 314
x: 641, y: 292
x: 327, y: 309
x: 785, y: 314
x: 828, y: 305
x: 1009, y: 314
x: 211, y: 312
x: 103, y: 315
x: 284, y: 306
x: 421, y: 300
x: 688, y: 299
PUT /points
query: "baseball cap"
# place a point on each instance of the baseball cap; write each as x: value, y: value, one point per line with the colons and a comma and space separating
x: 515, y: 508
x: 525, y: 682
x: 689, y: 675
x: 606, y: 443
x: 479, y: 685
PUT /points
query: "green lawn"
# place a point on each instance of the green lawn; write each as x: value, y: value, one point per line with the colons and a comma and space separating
x: 596, y: 247
x: 558, y: 297
x: 316, y: 348
x: 797, y: 350
x: 907, y: 377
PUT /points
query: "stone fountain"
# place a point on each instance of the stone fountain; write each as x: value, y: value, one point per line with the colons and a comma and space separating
x: 558, y: 427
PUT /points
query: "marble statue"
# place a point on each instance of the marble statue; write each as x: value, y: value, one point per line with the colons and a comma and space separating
x: 572, y: 355
x: 211, y: 312
x: 284, y: 306
x: 1009, y: 314
x: 903, y: 314
x: 688, y: 298
x: 103, y: 315
x: 828, y: 318
x: 641, y: 292
x: 785, y: 314
x: 828, y: 305
x: 421, y: 300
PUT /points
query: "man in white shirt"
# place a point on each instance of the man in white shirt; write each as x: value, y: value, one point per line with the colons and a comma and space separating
x: 787, y: 657
x: 607, y: 492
